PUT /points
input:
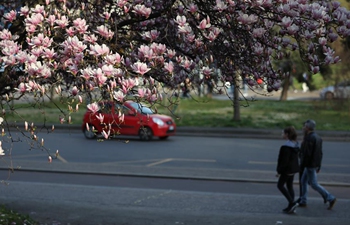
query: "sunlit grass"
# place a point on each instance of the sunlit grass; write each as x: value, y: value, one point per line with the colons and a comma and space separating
x: 206, y: 112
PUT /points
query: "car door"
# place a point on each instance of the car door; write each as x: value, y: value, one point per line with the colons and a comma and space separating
x: 106, y: 111
x: 128, y: 125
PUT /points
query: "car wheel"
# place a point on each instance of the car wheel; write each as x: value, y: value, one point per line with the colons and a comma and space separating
x: 89, y: 134
x: 145, y: 134
x: 329, y: 95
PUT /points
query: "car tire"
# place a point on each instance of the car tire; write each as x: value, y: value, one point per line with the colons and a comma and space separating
x: 145, y: 134
x: 89, y: 134
x: 329, y: 96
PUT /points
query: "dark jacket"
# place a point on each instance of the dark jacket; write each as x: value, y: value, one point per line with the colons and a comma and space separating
x: 311, y: 151
x: 288, y: 160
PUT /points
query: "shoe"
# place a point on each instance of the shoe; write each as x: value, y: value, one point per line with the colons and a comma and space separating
x: 324, y: 200
x: 302, y: 204
x: 286, y: 209
x: 292, y: 208
x: 331, y: 203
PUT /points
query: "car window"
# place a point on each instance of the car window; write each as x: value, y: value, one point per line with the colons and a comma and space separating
x: 122, y: 108
x: 140, y: 108
x: 105, y: 107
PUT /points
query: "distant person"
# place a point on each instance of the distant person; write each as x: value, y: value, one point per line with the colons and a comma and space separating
x: 311, y: 159
x: 186, y: 88
x: 287, y: 166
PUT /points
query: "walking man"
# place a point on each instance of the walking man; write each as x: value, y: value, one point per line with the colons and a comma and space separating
x: 311, y: 158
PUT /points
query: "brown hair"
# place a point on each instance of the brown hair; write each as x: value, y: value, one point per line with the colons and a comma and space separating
x: 291, y: 133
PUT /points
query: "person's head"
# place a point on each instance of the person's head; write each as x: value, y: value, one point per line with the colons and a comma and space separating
x: 309, y: 126
x: 290, y: 133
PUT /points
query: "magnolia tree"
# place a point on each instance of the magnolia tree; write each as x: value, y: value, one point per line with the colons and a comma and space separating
x: 143, y: 50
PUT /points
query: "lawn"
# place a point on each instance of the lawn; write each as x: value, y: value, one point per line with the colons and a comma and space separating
x: 206, y: 112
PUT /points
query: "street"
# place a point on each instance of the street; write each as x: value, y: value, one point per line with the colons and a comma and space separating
x: 183, y: 180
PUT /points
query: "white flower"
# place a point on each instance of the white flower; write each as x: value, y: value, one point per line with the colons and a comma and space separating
x: 1, y: 120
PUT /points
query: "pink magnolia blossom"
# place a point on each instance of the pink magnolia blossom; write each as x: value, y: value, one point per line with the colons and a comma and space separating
x: 22, y: 88
x: 140, y: 68
x: 10, y: 16
x: 34, y: 20
x: 192, y: 8
x: 185, y: 29
x: 181, y: 21
x: 5, y: 34
x: 146, y: 52
x: 100, y: 117
x: 113, y: 59
x: 247, y: 19
x: 24, y: 11
x: 169, y: 67
x: 80, y: 25
x: 90, y: 38
x: 100, y: 77
x: 75, y: 91
x: 107, y: 70
x: 62, y: 22
x: 220, y: 5
x: 39, y: 9
x: 104, y: 32
x: 93, y: 107
x: 106, y: 134
x: 151, y: 35
x: 206, y: 71
x: 119, y: 96
x: 204, y: 24
x: 51, y: 20
x: 142, y: 10
x: 171, y: 53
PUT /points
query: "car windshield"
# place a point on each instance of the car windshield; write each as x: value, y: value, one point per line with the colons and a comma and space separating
x: 142, y: 109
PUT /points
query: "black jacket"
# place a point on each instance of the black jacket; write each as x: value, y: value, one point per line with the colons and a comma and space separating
x: 288, y: 160
x: 311, y: 151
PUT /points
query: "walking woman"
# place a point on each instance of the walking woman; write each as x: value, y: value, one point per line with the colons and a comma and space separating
x: 287, y: 166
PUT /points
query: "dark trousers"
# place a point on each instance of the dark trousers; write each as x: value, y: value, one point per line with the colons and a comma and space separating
x: 285, y: 185
x: 300, y: 186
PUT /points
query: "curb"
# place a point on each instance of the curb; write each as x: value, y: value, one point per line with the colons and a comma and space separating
x: 229, y: 132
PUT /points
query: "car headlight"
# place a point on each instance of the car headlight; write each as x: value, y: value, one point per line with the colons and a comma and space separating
x: 158, y: 121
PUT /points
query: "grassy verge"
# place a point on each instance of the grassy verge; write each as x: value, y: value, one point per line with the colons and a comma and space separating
x: 205, y: 112
x: 10, y: 217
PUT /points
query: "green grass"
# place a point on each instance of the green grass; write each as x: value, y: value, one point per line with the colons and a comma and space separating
x: 8, y: 216
x: 205, y: 112
x: 329, y: 115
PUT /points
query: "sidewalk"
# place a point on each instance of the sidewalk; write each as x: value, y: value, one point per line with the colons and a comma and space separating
x: 259, y: 94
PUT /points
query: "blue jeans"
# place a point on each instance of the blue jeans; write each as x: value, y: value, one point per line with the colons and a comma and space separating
x: 310, y: 177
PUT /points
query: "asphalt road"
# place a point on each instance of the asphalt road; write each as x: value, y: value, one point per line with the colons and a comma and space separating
x: 184, y: 180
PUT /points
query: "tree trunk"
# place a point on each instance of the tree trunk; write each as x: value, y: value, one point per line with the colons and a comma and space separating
x: 285, y: 88
x: 236, y: 105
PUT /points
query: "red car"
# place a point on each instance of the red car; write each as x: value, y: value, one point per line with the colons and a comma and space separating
x: 138, y: 120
